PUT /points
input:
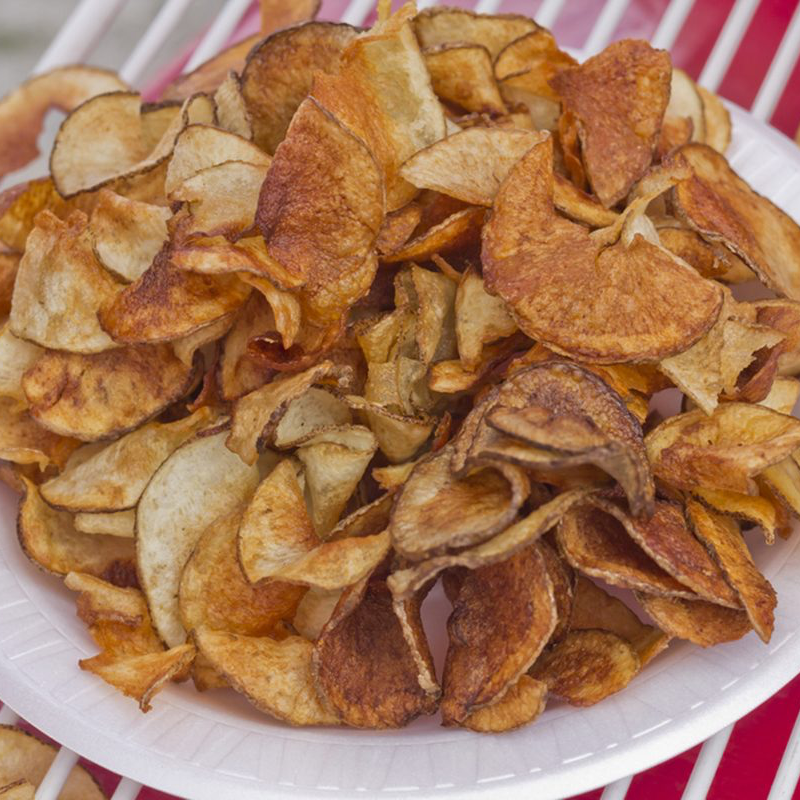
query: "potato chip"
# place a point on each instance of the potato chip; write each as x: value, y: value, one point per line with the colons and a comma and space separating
x: 48, y: 537
x: 522, y: 703
x: 408, y: 613
x: 709, y: 261
x: 372, y: 685
x: 232, y: 113
x: 460, y: 231
x: 114, y: 478
x: 275, y: 676
x: 60, y: 286
x: 320, y: 210
x: 724, y: 540
x: 784, y: 317
x: 278, y: 14
x: 398, y: 227
x: 314, y: 611
x: 24, y: 441
x: 278, y: 74
x: 9, y: 264
x: 18, y: 790
x: 23, y: 756
x: 697, y: 621
x: 717, y: 120
x: 722, y: 451
x: 471, y: 164
x: 721, y: 207
x: 782, y: 479
x: 619, y: 98
x: 436, y: 334
x: 16, y: 356
x: 462, y: 74
x: 685, y: 101
x: 104, y: 395
x: 537, y: 54
x: 112, y: 523
x: 23, y: 110
x: 209, y: 481
x: 750, y: 508
x: 543, y: 302
x: 562, y: 577
x: 502, y: 619
x: 579, y: 206
x: 587, y: 666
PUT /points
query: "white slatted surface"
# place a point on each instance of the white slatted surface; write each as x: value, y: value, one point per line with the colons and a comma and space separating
x: 91, y: 18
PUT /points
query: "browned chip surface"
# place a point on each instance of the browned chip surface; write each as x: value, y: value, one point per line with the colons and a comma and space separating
x: 521, y: 704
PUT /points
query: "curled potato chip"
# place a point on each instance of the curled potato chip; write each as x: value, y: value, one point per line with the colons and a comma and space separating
x: 721, y: 207
x: 209, y: 481
x: 435, y: 510
x: 783, y: 480
x: 459, y: 231
x: 275, y: 676
x: 278, y: 74
x: 375, y: 685
x: 587, y: 666
x: 724, y: 539
x: 536, y: 54
x: 436, y: 335
x: 518, y: 267
x: 24, y: 757
x: 398, y: 227
x: 127, y: 234
x: 314, y: 412
x: 232, y: 114
x: 750, y: 508
x: 314, y: 611
x: 9, y: 264
x: 462, y: 74
x: 48, y: 537
x: 619, y: 98
x: 60, y: 287
x: 23, y: 110
x: 521, y: 704
x: 685, y: 101
x: 24, y: 441
x: 579, y: 206
x: 113, y: 523
x: 65, y: 395
x: 717, y: 120
x: 114, y: 478
x: 320, y: 210
x: 16, y: 356
x: 502, y: 618
x: 722, y: 451
x: 709, y: 261
x: 784, y: 317
x: 697, y: 621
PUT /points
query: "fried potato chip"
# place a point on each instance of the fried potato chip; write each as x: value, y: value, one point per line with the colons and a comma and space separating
x: 314, y: 611
x: 275, y: 676
x: 522, y: 703
x: 9, y: 265
x: 462, y: 74
x: 619, y: 98
x: 502, y: 618
x: 717, y: 120
x: 435, y: 329
x: 697, y: 621
x: 562, y: 577
x: 709, y: 261
x: 18, y: 790
x: 750, y: 508
x: 48, y: 537
x: 200, y: 481
x: 596, y: 544
x: 587, y: 666
x: 373, y: 685
x: 666, y: 538
x: 104, y: 395
x: 16, y: 356
x: 278, y: 14
x: 686, y: 102
x: 23, y: 110
x: 320, y: 210
x: 722, y: 451
x: 311, y: 413
x: 60, y: 286
x: 459, y: 231
x: 24, y: 441
x: 784, y: 317
x: 524, y: 234
x: 232, y: 113
x: 721, y: 207
x: 446, y: 25
x: 113, y: 523
x: 398, y: 227
x: 127, y: 234
x: 470, y: 165
x: 782, y: 479
x: 23, y: 756
x: 278, y: 74
x: 592, y: 607
x: 114, y: 478
x: 579, y: 206
x: 537, y: 54
x: 724, y: 540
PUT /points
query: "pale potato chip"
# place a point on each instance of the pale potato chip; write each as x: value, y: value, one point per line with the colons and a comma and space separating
x: 782, y: 478
x: 398, y: 227
x: 436, y: 334
x: 24, y: 441
x: 685, y: 101
x: 717, y: 120
x: 314, y: 611
x: 16, y: 357
x: 232, y: 113
x: 112, y: 523
x: 783, y: 395
x: 521, y: 704
x: 186, y: 347
x: 18, y: 790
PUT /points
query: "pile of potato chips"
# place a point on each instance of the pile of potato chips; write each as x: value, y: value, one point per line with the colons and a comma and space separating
x: 358, y: 311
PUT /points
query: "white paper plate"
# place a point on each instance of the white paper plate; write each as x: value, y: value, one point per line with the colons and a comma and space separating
x: 215, y: 746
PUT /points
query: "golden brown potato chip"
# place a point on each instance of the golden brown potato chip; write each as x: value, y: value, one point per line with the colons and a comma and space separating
x: 104, y: 395
x: 619, y: 98
x: 459, y: 231
x: 16, y: 356
x: 587, y: 666
x: 750, y: 508
x: 48, y: 537
x: 462, y: 74
x: 470, y: 165
x: 524, y: 235
x: 278, y: 74
x: 592, y: 607
x: 24, y: 757
x: 398, y: 227
x: 562, y: 577
x: 18, y: 790
x: 697, y: 621
x: 722, y: 451
x: 60, y: 287
x: 782, y: 316
x: 199, y: 482
x: 596, y: 544
x: 320, y: 210
x: 24, y: 441
x: 717, y: 121
x: 127, y: 234
x: 435, y: 328
x: 186, y: 347
x: 374, y: 685
x: 579, y: 206
x: 722, y: 207
x: 666, y: 538
x: 278, y: 14
x: 115, y: 477
x: 113, y: 523
x: 522, y: 703
x: 724, y: 540
x: 23, y: 110
x: 316, y: 411
x: 537, y: 54
x: 275, y: 676
x: 502, y: 618
x: 709, y: 261
x: 9, y: 264
x: 782, y: 479
x: 783, y: 395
